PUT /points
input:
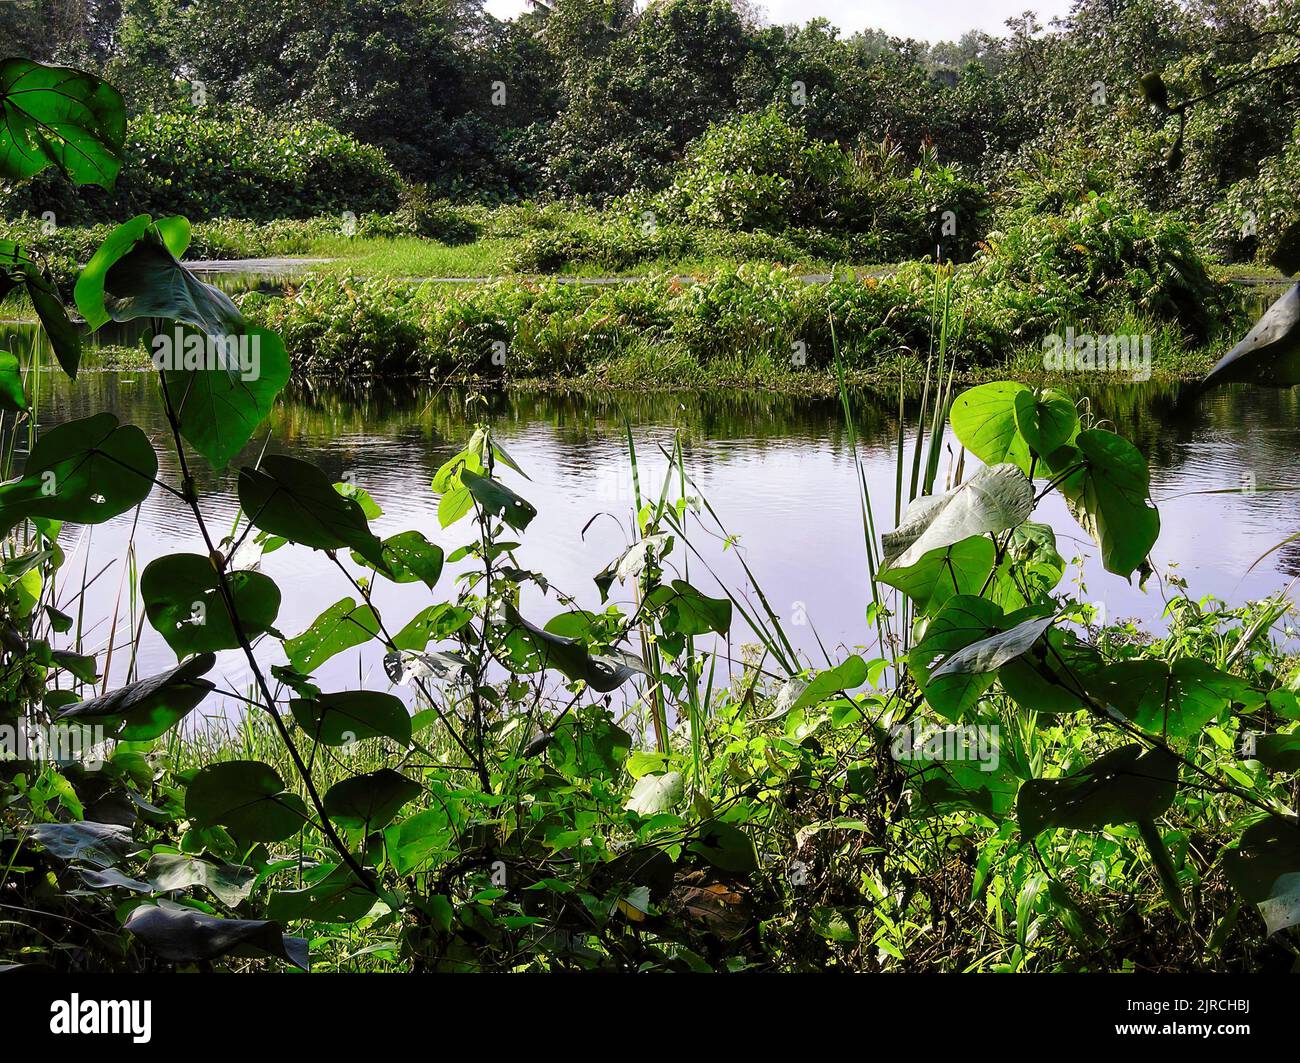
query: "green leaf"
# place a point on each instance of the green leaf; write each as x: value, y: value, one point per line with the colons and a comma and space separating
x: 219, y: 408
x: 795, y: 694
x: 147, y: 708
x: 962, y: 568
x: 168, y: 872
x: 409, y: 557
x: 432, y: 624
x: 942, y: 783
x: 97, y: 844
x: 1110, y: 497
x: 990, y: 654
x: 294, y: 499
x: 1046, y: 420
x: 995, y: 499
x: 183, y: 602
x: 589, y: 743
x: 653, y: 794
x: 12, y: 395
x: 369, y: 802
x: 1174, y: 700
x: 336, y: 898
x: 64, y: 337
x: 1067, y: 661
x: 55, y: 116
x: 248, y: 798
x: 496, y: 498
x: 726, y: 847
x: 342, y: 626
x: 984, y: 420
x: 964, y: 620
x: 1279, y: 752
x: 352, y: 715
x: 525, y: 647
x: 135, y: 274
x: 686, y: 611
x: 1123, y: 786
x: 85, y: 471
x: 182, y: 935
x: 1265, y: 869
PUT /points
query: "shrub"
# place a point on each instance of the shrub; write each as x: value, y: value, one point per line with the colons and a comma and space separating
x: 235, y: 164
x: 1100, y: 253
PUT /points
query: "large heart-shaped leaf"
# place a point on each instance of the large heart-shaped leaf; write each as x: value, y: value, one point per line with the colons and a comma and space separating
x: 995, y: 499
x: 136, y: 274
x: 294, y: 499
x: 1265, y: 869
x: 336, y: 897
x: 369, y: 802
x: 1125, y: 785
x: 55, y: 116
x: 984, y: 420
x: 1174, y: 700
x: 169, y: 872
x: 86, y: 471
x: 1046, y: 420
x: 990, y: 654
x: 100, y: 844
x: 183, y: 601
x: 219, y: 407
x: 351, y: 715
x: 148, y: 707
x: 962, y: 568
x: 247, y: 797
x: 964, y: 620
x: 409, y: 557
x: 1109, y: 493
x: 683, y: 610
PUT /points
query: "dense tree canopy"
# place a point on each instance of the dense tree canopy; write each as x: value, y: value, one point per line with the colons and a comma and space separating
x: 598, y: 97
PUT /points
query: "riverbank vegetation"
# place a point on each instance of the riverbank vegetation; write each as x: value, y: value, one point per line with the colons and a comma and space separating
x: 1066, y: 203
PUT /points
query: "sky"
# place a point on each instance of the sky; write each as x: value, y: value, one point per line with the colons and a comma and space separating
x: 924, y: 20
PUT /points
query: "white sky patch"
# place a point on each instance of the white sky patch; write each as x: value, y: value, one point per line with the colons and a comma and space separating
x: 924, y: 20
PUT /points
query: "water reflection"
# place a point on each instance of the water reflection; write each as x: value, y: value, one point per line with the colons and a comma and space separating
x: 777, y: 470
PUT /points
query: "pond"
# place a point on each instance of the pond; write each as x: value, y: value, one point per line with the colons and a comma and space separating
x: 778, y: 471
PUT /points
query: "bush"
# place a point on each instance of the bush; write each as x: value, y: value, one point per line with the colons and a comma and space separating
x: 236, y: 164
x: 1100, y: 254
x: 761, y: 173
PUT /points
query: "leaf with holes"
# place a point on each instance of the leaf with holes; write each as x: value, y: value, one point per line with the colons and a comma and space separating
x: 84, y: 472
x: 183, y: 602
x: 342, y: 626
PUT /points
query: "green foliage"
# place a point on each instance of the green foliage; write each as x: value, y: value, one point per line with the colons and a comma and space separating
x: 1006, y: 788
x: 233, y: 164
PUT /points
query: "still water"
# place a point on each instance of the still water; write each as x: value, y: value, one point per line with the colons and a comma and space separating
x: 778, y: 471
